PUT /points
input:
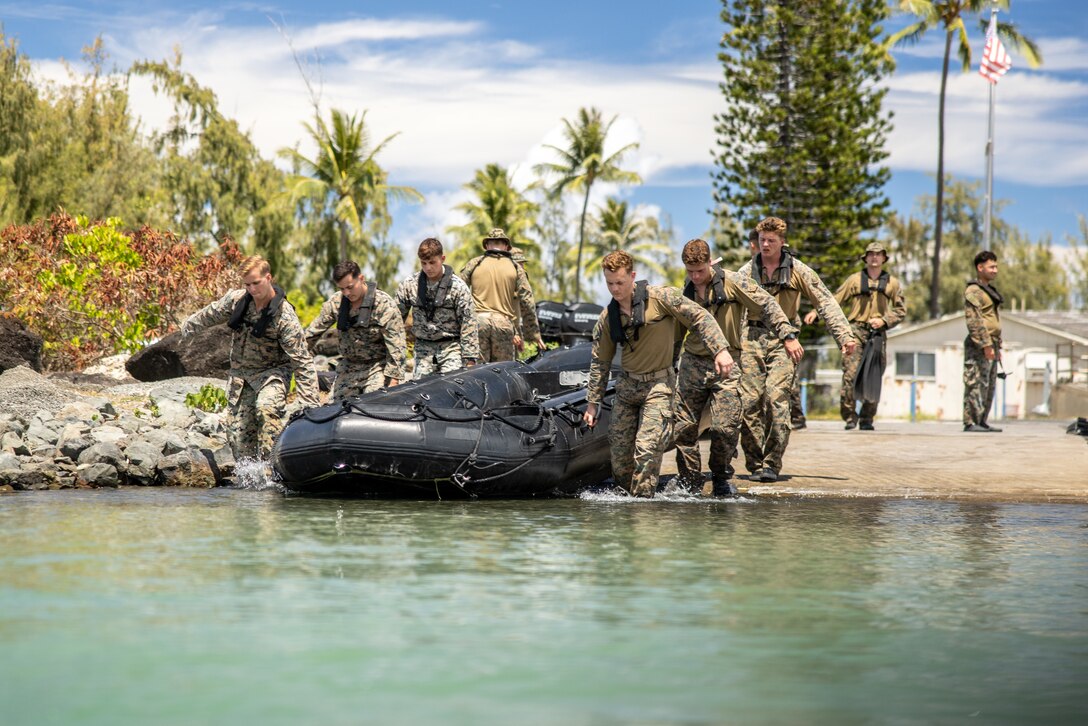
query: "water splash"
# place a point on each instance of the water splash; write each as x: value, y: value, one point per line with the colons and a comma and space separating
x: 256, y: 475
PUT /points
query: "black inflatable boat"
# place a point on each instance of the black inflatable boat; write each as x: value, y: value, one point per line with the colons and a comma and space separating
x: 498, y: 430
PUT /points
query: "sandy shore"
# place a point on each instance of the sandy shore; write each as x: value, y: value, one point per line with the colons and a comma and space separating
x: 1030, y: 461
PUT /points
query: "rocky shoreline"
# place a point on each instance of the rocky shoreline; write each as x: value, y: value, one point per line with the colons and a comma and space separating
x: 57, y: 433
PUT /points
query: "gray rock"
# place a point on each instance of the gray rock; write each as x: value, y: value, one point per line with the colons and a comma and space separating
x: 9, y: 461
x: 108, y: 434
x: 79, y: 411
x: 28, y: 478
x: 172, y: 413
x: 208, y: 423
x: 42, y: 433
x: 14, y: 443
x: 74, y: 446
x: 104, y: 453
x: 187, y: 469
x: 222, y: 461
x: 169, y: 441
x: 143, y: 462
x: 98, y: 475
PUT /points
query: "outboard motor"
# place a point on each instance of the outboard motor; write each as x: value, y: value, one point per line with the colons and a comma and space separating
x: 550, y: 316
x: 578, y: 321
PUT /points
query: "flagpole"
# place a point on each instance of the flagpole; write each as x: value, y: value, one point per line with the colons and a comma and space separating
x: 988, y: 221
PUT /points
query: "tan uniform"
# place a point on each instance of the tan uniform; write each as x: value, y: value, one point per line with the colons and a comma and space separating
x: 504, y: 302
x: 880, y: 298
x: 261, y: 363
x: 981, y: 311
x: 767, y: 373
x: 642, y: 415
x: 728, y: 296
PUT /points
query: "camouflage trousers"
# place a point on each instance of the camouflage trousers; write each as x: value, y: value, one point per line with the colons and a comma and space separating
x: 698, y: 384
x: 979, y: 382
x: 850, y: 365
x: 256, y: 416
x: 797, y: 412
x: 640, y: 431
x: 766, y: 380
x: 436, y: 356
x: 496, y: 337
x: 355, y: 379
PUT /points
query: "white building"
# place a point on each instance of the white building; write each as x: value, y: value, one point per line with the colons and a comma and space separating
x: 1045, y: 355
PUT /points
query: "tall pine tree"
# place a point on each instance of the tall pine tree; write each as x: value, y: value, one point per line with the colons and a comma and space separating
x: 802, y: 134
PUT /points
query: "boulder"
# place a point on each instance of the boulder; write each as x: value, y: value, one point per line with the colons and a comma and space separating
x: 98, y: 475
x: 207, y: 353
x: 173, y: 414
x: 169, y: 441
x: 18, y: 346
x: 108, y: 434
x: 188, y: 468
x: 79, y: 411
x: 143, y: 460
x: 31, y: 477
x: 104, y: 453
x: 14, y: 443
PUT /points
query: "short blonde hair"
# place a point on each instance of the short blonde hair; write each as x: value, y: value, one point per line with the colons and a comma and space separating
x: 773, y: 224
x: 256, y: 262
x: 618, y: 260
x: 696, y: 252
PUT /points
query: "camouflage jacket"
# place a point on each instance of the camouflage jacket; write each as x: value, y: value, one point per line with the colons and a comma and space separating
x: 455, y: 318
x: 255, y: 360
x: 982, y: 314
x: 803, y: 280
x: 382, y: 338
x: 667, y: 314
x: 496, y: 283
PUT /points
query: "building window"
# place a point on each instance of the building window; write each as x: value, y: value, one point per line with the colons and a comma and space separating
x: 916, y: 365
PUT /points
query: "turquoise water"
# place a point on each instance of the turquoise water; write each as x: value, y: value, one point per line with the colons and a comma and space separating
x: 230, y: 606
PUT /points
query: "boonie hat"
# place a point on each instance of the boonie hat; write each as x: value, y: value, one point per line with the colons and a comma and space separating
x: 876, y: 247
x: 496, y: 234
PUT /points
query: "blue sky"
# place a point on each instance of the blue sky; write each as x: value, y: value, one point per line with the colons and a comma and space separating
x: 467, y: 83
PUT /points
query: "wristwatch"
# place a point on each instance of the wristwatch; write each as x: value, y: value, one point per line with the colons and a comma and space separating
x: 791, y: 336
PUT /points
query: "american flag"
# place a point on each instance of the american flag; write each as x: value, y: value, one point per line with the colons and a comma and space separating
x: 995, y: 61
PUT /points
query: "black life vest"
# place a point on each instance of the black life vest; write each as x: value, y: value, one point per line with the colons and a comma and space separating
x: 881, y: 284
x: 638, y: 315
x: 258, y: 329
x: 716, y: 288
x: 366, y: 309
x: 423, y: 301
x: 989, y: 290
x: 783, y: 275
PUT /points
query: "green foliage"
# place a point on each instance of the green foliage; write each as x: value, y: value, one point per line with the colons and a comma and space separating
x: 89, y: 289
x: 306, y: 304
x: 803, y: 131
x: 208, y: 398
x: 581, y: 164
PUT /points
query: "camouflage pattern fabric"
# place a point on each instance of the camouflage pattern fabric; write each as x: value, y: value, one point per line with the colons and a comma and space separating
x: 979, y: 381
x: 381, y: 341
x: 454, y: 318
x: 496, y: 338
x: 260, y: 370
x: 766, y: 379
x: 432, y: 357
x: 797, y: 412
x: 850, y: 365
x: 256, y: 417
x: 639, y: 432
x: 698, y: 384
x: 357, y: 379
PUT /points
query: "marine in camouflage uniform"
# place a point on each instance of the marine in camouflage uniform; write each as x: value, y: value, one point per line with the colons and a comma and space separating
x: 372, y: 345
x: 443, y: 315
x: 725, y: 296
x: 767, y: 373
x: 267, y: 345
x: 982, y: 346
x: 502, y: 296
x: 641, y: 425
x: 872, y: 300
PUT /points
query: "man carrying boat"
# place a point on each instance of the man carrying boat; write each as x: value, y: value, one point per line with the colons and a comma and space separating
x: 873, y: 302
x: 646, y: 322
x: 502, y: 295
x: 725, y: 295
x: 767, y: 370
x: 372, y: 345
x: 443, y: 315
x: 267, y: 344
x: 982, y: 347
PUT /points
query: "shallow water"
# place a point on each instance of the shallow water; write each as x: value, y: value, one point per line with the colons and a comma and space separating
x: 233, y: 606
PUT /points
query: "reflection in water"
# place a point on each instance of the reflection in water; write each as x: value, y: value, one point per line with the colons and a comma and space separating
x: 607, y: 609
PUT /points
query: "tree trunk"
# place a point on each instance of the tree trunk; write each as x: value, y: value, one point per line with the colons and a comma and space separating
x: 581, y: 240
x: 935, y: 282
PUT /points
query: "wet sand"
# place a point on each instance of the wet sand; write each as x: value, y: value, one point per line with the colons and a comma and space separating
x: 1030, y: 461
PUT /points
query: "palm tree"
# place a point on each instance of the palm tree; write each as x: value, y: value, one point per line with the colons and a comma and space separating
x: 497, y: 204
x: 346, y: 182
x: 616, y: 228
x: 950, y: 15
x: 582, y: 163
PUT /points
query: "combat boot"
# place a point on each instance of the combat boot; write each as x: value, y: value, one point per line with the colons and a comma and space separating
x: 723, y: 487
